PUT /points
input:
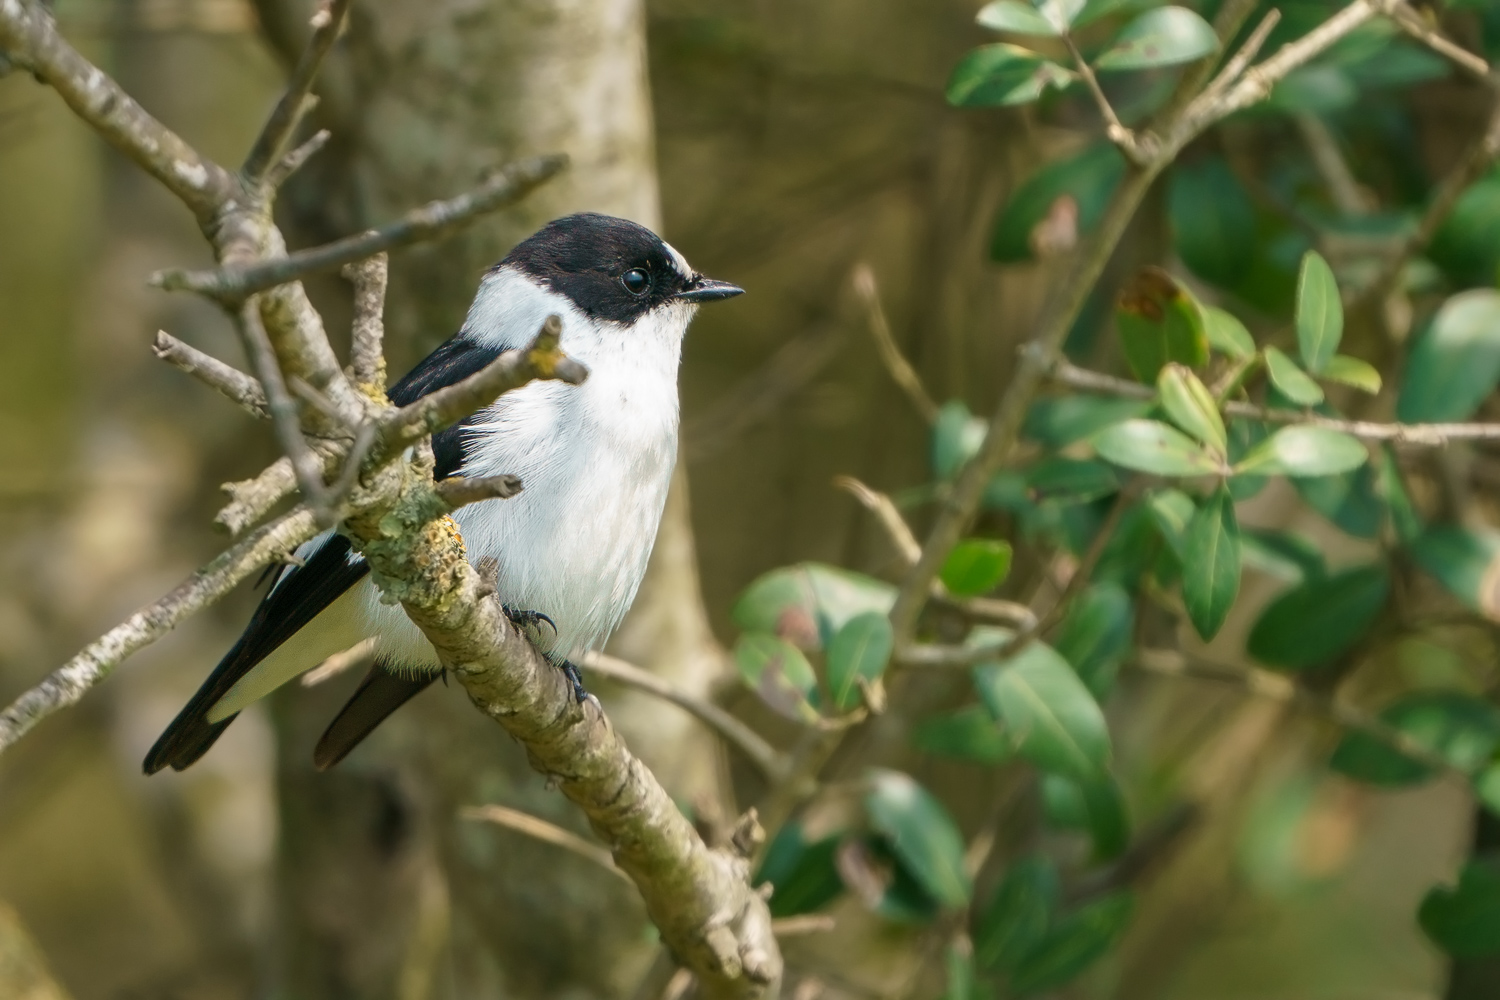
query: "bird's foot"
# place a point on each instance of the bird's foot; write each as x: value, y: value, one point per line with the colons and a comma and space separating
x: 525, y: 619
x: 570, y: 671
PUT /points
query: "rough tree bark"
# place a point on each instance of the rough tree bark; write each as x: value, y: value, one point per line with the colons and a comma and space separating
x: 427, y: 97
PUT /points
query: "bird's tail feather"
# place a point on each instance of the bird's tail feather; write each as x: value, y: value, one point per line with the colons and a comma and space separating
x: 381, y: 693
x: 191, y: 734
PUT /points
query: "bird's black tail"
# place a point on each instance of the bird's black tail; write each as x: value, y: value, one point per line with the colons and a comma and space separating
x: 381, y: 693
x: 191, y: 734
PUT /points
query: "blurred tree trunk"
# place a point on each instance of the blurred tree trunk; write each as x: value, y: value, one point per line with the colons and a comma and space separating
x: 385, y: 892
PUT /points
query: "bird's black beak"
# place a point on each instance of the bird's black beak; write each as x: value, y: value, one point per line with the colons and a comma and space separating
x: 702, y: 289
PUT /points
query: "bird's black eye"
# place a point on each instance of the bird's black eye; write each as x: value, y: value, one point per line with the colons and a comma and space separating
x: 636, y: 281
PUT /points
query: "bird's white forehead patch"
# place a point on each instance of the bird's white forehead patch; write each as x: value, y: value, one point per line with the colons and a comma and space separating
x: 683, y: 267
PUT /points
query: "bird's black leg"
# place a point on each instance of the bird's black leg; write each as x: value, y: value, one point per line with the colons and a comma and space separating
x: 570, y: 671
x: 527, y: 618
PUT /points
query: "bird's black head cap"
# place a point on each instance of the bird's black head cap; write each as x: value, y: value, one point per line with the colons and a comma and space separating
x: 612, y: 269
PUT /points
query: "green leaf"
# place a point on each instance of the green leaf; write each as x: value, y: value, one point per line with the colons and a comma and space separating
x: 1172, y: 510
x: 1227, y: 334
x: 956, y: 437
x: 1095, y: 635
x: 1281, y: 554
x: 1093, y: 10
x: 777, y: 671
x: 976, y: 566
x: 1391, y: 489
x: 1052, y: 719
x: 1159, y: 322
x: 1315, y: 622
x: 1352, y: 372
x: 1017, y: 916
x: 1320, y: 314
x: 1455, y: 362
x: 803, y: 872
x: 1096, y: 808
x: 809, y: 601
x: 1017, y: 17
x: 1315, y: 90
x: 921, y: 833
x: 959, y: 965
x: 1466, y: 561
x: 874, y: 871
x: 1464, y: 920
x: 1070, y: 480
x: 1465, y: 246
x: 1088, y: 179
x: 1154, y: 447
x: 1191, y: 406
x: 1003, y: 74
x: 1349, y: 500
x: 1291, y: 381
x: 1460, y: 728
x: 1303, y: 450
x: 1073, y: 944
x: 1058, y: 422
x: 970, y: 733
x: 1211, y: 564
x: 1244, y: 437
x: 1213, y: 223
x: 1165, y: 36
x: 862, y: 648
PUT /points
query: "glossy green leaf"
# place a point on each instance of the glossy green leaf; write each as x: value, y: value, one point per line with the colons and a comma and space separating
x: 1459, y: 728
x: 803, y: 873
x: 809, y: 601
x: 1154, y: 447
x: 1464, y: 920
x: 1094, y: 637
x: 1191, y: 406
x: 874, y: 871
x: 1058, y: 422
x: 1466, y: 561
x: 1173, y: 511
x: 1088, y: 179
x: 1465, y: 246
x: 1211, y: 564
x: 1455, y: 363
x: 1244, y: 437
x: 861, y: 649
x: 1227, y: 334
x: 777, y: 671
x: 1165, y: 36
x: 1093, y: 10
x: 1317, y: 621
x: 1390, y: 486
x: 1213, y: 222
x: 1320, y: 313
x: 1015, y: 16
x: 970, y: 733
x: 1291, y: 381
x: 921, y: 833
x: 1159, y: 322
x: 1050, y: 716
x: 956, y: 437
x: 1003, y: 74
x: 976, y: 566
x: 1073, y: 944
x: 1095, y: 808
x: 1352, y: 372
x: 1017, y: 916
x: 1316, y: 89
x: 1303, y: 450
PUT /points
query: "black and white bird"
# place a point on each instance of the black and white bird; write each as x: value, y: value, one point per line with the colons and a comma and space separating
x: 595, y: 461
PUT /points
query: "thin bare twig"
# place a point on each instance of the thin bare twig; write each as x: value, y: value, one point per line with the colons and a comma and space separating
x: 292, y: 162
x: 225, y: 379
x: 901, y: 371
x: 1424, y: 435
x: 366, y: 349
x: 1418, y: 27
x: 250, y: 499
x: 1113, y: 127
x: 506, y: 187
x: 771, y: 762
x: 297, y: 100
x: 70, y: 682
x: 540, y: 829
x: 1236, y: 65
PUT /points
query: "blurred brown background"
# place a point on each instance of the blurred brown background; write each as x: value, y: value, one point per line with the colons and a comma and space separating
x: 791, y: 141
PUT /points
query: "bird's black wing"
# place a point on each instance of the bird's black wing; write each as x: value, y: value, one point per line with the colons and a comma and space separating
x: 303, y: 592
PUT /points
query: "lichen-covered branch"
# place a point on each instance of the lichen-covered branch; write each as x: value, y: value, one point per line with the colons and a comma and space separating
x: 225, y: 379
x: 367, y: 340
x: 70, y: 682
